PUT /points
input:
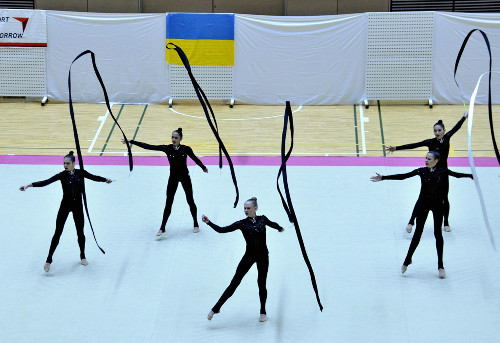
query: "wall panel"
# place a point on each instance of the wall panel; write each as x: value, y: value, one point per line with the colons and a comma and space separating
x: 264, y: 7
x: 113, y: 6
x: 313, y: 7
x: 268, y: 7
x: 361, y: 6
x: 195, y: 6
x: 62, y: 5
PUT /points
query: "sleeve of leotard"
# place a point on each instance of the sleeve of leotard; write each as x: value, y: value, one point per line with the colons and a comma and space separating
x: 272, y: 224
x: 400, y: 176
x: 456, y: 127
x: 93, y: 177
x: 47, y: 182
x: 413, y: 145
x: 233, y: 227
x: 149, y: 146
x: 191, y: 154
x: 459, y: 175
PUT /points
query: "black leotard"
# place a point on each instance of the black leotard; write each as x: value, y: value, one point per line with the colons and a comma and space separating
x: 177, y: 158
x: 432, y: 192
x: 432, y: 189
x: 254, y: 233
x: 71, y: 183
x: 440, y: 145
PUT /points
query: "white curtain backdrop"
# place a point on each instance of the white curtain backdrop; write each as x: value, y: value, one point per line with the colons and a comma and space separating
x: 450, y: 30
x: 130, y: 55
x: 307, y: 60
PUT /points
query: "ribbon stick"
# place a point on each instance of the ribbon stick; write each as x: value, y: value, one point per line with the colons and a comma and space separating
x: 471, y: 119
x: 205, y: 104
x: 75, y: 132
x: 471, y: 161
x: 287, y: 205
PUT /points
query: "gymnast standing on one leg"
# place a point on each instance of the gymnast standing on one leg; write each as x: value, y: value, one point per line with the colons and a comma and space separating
x: 72, y: 184
x: 441, y: 144
x: 431, y: 198
x: 177, y: 158
x: 253, y: 228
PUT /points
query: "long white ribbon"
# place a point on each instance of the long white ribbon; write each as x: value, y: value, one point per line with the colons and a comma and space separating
x: 471, y: 160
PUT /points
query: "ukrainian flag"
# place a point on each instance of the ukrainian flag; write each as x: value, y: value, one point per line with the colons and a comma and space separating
x: 206, y: 38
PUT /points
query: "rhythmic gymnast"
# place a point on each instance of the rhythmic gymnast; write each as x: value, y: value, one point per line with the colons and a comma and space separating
x: 253, y: 228
x: 441, y: 144
x: 431, y: 198
x: 177, y: 157
x: 72, y: 182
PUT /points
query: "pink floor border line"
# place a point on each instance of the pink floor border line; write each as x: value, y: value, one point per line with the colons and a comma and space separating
x: 254, y: 160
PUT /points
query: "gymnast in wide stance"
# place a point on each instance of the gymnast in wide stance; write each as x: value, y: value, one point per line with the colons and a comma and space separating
x: 72, y: 185
x: 253, y: 228
x: 431, y: 198
x: 177, y: 158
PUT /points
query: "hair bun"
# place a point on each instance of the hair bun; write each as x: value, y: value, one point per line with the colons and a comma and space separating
x: 440, y: 121
x: 253, y: 198
x: 71, y: 152
x: 179, y: 129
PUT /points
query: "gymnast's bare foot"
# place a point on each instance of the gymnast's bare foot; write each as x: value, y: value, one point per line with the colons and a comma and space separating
x: 210, y: 315
x: 404, y: 267
x: 409, y: 227
x: 442, y: 273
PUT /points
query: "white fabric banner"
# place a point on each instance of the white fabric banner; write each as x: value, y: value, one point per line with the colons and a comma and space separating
x: 308, y: 60
x: 26, y: 28
x: 450, y: 30
x: 130, y: 55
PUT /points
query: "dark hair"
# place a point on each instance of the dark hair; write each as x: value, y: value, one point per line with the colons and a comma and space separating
x: 254, y: 201
x: 70, y: 156
x: 179, y: 131
x: 440, y: 123
x: 436, y: 154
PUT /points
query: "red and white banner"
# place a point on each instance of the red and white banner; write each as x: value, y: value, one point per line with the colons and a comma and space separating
x: 24, y: 28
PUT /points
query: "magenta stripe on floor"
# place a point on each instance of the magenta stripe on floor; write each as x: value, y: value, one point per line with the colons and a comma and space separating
x: 253, y: 160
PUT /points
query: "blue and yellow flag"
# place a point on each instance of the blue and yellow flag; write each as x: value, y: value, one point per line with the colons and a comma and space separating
x: 206, y: 38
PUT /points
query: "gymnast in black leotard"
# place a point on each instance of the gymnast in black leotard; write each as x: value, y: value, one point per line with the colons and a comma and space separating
x: 441, y: 144
x: 72, y: 184
x: 253, y: 228
x: 177, y: 157
x: 431, y: 197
